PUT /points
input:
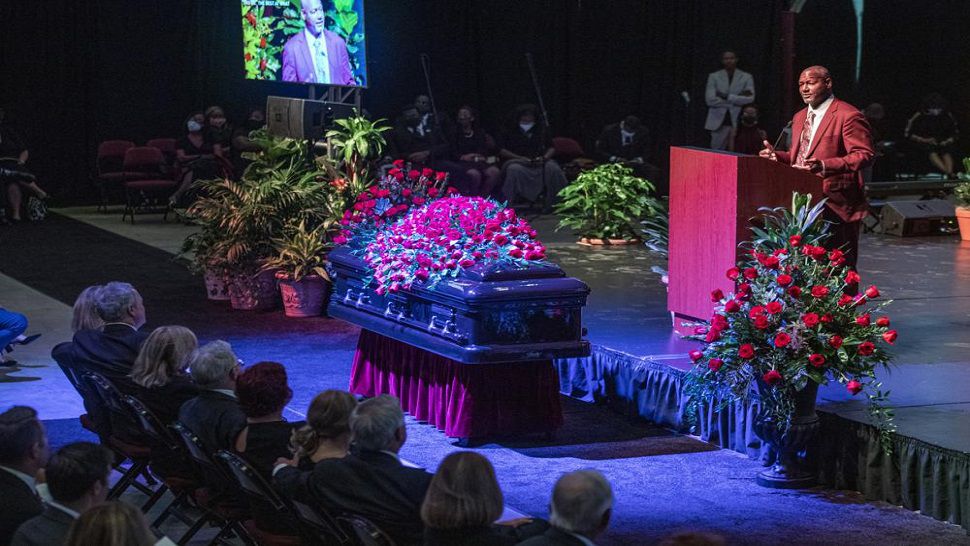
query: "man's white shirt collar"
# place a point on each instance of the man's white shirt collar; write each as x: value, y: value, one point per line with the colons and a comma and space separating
x: 227, y: 392
x: 819, y: 114
x: 27, y: 479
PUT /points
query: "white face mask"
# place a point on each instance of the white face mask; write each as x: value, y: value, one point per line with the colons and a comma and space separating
x: 526, y: 127
x: 194, y: 126
x: 934, y: 111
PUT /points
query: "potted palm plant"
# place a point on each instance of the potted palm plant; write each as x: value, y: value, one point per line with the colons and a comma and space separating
x: 299, y: 265
x: 200, y: 249
x: 605, y: 205
x: 962, y: 194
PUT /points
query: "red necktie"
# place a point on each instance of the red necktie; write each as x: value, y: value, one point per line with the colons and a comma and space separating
x: 806, y: 139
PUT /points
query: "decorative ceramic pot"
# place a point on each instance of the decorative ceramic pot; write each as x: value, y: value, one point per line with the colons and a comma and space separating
x: 254, y: 292
x: 607, y: 242
x: 216, y: 284
x: 788, y: 469
x: 305, y: 297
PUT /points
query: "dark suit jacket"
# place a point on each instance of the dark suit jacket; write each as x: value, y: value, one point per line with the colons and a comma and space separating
x: 166, y: 401
x: 215, y: 418
x: 484, y: 536
x: 843, y: 142
x: 50, y: 527
x: 17, y: 504
x: 610, y: 143
x: 111, y: 353
x: 371, y: 484
x: 553, y: 537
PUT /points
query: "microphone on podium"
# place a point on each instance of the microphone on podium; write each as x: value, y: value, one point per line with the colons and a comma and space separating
x: 781, y: 134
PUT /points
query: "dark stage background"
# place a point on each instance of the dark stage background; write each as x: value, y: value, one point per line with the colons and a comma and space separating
x: 75, y: 73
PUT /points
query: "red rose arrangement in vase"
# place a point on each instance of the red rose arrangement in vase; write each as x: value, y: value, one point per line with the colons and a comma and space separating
x: 791, y: 319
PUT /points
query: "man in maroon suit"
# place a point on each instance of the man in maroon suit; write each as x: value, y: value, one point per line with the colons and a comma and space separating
x: 832, y: 139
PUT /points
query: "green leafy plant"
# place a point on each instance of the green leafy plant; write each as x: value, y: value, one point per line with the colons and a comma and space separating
x: 264, y: 34
x: 355, y: 142
x: 656, y: 236
x: 962, y: 191
x: 301, y: 251
x: 607, y: 203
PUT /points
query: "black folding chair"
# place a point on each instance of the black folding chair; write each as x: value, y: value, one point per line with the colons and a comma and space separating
x: 367, y: 533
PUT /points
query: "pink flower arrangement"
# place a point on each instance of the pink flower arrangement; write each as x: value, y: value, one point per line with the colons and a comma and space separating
x: 448, y: 235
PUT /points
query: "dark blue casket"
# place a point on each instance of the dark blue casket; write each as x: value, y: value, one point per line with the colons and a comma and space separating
x: 489, y: 313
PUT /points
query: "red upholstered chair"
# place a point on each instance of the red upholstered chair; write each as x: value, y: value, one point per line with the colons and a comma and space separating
x: 571, y: 156
x: 110, y: 165
x: 148, y: 184
x: 167, y: 146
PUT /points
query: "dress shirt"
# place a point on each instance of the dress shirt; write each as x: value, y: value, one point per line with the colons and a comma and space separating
x: 819, y: 112
x: 318, y: 54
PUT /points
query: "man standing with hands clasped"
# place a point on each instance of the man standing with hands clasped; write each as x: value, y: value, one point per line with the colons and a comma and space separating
x: 834, y: 141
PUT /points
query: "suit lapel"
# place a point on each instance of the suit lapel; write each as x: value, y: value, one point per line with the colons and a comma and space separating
x: 823, y: 126
x: 307, y: 59
x: 796, y: 138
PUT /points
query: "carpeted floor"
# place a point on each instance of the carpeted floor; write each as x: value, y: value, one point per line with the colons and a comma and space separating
x: 663, y: 482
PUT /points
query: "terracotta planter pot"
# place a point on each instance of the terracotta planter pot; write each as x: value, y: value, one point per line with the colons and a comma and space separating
x: 586, y: 241
x: 216, y: 284
x: 305, y: 297
x: 963, y: 218
x: 254, y: 292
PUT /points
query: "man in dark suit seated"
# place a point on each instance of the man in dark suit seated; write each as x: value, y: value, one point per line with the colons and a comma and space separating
x: 77, y: 479
x: 372, y: 481
x: 628, y: 142
x: 214, y: 415
x: 112, y: 350
x: 582, y: 503
x: 23, y: 452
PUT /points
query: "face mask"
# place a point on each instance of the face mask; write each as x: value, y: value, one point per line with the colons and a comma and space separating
x: 526, y: 127
x: 934, y: 111
x: 194, y: 126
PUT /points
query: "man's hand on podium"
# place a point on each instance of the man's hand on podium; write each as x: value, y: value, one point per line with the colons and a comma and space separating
x: 768, y: 152
x: 811, y: 165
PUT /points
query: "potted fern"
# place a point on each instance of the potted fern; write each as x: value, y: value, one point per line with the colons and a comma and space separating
x: 962, y: 194
x: 299, y: 265
x: 606, y: 204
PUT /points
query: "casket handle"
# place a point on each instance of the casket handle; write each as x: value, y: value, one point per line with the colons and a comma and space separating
x: 348, y: 297
x: 394, y: 310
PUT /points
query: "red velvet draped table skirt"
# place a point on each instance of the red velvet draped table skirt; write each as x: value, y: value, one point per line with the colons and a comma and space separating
x: 463, y: 400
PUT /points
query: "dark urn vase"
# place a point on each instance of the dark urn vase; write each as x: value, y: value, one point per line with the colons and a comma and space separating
x: 788, y: 470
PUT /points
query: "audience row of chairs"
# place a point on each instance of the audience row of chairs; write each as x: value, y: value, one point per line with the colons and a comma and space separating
x: 206, y: 489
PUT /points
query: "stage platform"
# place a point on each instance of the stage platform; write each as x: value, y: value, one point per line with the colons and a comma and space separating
x: 638, y: 362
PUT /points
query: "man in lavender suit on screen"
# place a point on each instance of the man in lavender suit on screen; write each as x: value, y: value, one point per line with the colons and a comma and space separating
x: 316, y: 55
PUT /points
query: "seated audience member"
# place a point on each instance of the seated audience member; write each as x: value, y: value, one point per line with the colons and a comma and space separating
x: 14, y: 177
x: 463, y: 502
x: 427, y: 115
x: 886, y: 164
x: 23, y: 452
x: 77, y: 479
x: 628, y: 142
x: 214, y: 415
x: 241, y: 142
x: 113, y: 523
x: 198, y: 156
x: 12, y: 328
x: 747, y: 137
x: 263, y: 394
x: 472, y: 148
x: 160, y: 371
x: 218, y: 130
x: 326, y: 434
x: 86, y: 310
x: 934, y: 131
x: 530, y: 171
x: 112, y: 350
x: 371, y: 481
x: 582, y: 503
x: 420, y: 145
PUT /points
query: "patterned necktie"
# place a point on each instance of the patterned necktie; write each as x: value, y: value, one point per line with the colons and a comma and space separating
x: 321, y: 58
x: 806, y: 139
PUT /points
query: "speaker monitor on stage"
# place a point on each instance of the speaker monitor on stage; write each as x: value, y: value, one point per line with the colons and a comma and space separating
x: 301, y: 118
x: 916, y: 218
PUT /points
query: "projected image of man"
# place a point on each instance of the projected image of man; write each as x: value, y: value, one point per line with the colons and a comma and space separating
x: 316, y: 55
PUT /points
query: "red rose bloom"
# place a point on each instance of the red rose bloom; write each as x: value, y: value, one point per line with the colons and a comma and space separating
x: 771, y: 378
x: 866, y: 348
x: 695, y: 355
x: 810, y: 319
x: 784, y: 280
x: 761, y: 322
x: 771, y: 262
x: 854, y: 387
x: 845, y: 300
x: 820, y: 291
x: 782, y: 340
x: 852, y: 278
x: 751, y: 273
x: 715, y: 364
x: 795, y: 240
x: 717, y: 295
x: 882, y: 322
x: 872, y: 292
x: 889, y: 337
x: 816, y: 360
x: 719, y: 321
x: 732, y: 306
x: 835, y: 342
x: 713, y: 335
x: 837, y: 257
x: 756, y: 311
x: 862, y: 320
x: 795, y: 292
x: 744, y: 291
x: 414, y: 173
x: 775, y: 307
x: 746, y: 351
x: 733, y: 273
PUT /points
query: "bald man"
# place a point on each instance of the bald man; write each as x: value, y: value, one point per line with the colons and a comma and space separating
x: 831, y: 139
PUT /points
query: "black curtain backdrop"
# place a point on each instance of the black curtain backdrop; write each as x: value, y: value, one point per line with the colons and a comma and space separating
x: 75, y: 73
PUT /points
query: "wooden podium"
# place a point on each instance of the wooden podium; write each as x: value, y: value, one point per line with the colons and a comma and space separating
x: 713, y: 197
